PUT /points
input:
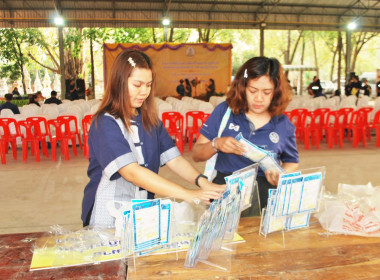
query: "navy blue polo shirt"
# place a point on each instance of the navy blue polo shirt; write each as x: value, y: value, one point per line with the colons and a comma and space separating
x: 277, y: 136
x: 11, y: 106
x: 109, y: 151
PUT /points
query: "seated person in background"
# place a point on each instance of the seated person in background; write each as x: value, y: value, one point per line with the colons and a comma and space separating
x: 336, y: 93
x: 16, y: 93
x: 34, y: 100
x: 210, y: 89
x: 317, y: 89
x: 309, y: 90
x: 348, y: 88
x: 9, y: 105
x: 39, y: 97
x: 355, y: 86
x: 181, y: 88
x: 367, y: 88
x: 53, y: 99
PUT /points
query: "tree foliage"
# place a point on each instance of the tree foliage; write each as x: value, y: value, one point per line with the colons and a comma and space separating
x: 13, y: 43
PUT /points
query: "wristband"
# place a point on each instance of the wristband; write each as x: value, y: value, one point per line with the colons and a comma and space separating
x: 213, y: 145
x: 197, y: 179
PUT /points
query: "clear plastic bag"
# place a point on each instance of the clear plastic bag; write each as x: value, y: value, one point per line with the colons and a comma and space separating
x: 354, y: 210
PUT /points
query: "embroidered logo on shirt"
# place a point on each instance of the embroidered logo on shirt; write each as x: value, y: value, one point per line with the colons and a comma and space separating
x: 234, y: 127
x: 274, y: 137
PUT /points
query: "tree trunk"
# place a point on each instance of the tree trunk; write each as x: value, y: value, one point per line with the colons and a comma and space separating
x: 315, y: 55
x: 23, y: 80
x: 333, y: 64
x: 171, y: 34
x: 339, y: 47
x: 154, y: 35
x: 295, y: 47
x: 92, y: 68
x: 21, y: 56
x: 302, y: 60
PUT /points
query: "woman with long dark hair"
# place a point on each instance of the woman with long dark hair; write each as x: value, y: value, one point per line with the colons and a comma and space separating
x: 258, y: 97
x: 128, y: 143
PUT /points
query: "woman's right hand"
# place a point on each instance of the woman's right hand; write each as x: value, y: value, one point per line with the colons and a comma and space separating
x: 229, y: 145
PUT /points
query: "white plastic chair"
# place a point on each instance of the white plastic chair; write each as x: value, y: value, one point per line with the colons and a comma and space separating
x: 51, y: 110
x: 205, y: 107
x: 31, y: 110
x: 94, y: 108
x: 363, y: 101
x: 6, y: 113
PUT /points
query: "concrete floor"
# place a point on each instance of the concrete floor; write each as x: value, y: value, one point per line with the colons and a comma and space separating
x: 36, y: 196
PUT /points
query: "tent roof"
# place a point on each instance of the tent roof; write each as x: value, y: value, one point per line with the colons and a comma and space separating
x: 218, y: 14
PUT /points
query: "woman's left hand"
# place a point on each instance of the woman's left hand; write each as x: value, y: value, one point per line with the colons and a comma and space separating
x: 272, y: 177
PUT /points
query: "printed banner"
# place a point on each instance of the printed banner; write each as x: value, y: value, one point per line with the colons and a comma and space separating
x: 173, y: 62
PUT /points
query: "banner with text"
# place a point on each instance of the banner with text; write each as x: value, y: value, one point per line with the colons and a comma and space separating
x: 172, y: 62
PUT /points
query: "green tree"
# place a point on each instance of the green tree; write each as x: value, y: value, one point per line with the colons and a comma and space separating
x: 359, y: 39
x: 48, y: 46
x: 13, y: 45
x: 94, y: 35
x: 129, y: 35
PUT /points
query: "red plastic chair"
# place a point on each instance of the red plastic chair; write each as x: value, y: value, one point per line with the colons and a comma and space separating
x: 9, y: 131
x: 86, y: 123
x: 296, y: 118
x: 58, y: 134
x: 312, y: 128
x: 34, y: 135
x: 321, y: 115
x: 366, y: 114
x: 27, y: 137
x: 344, y: 115
x: 72, y: 126
x: 333, y: 129
x: 288, y: 114
x: 358, y: 127
x: 376, y: 126
x: 173, y: 122
x: 196, y: 118
x: 40, y: 132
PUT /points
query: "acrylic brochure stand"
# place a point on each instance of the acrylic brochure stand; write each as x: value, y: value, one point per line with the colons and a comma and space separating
x: 212, y: 246
x: 290, y: 206
x: 149, y: 228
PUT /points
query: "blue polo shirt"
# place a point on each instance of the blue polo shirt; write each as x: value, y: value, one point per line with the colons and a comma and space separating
x: 277, y: 136
x: 11, y: 106
x: 109, y: 151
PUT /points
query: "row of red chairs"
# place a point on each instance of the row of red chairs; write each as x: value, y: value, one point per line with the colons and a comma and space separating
x: 173, y: 122
x: 335, y: 125
x: 36, y: 130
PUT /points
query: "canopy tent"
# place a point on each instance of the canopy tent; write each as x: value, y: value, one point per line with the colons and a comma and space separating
x: 221, y: 14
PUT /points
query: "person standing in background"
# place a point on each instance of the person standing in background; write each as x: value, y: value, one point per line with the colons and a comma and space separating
x: 210, y: 89
x: 180, y: 88
x: 73, y: 91
x: 188, y: 89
